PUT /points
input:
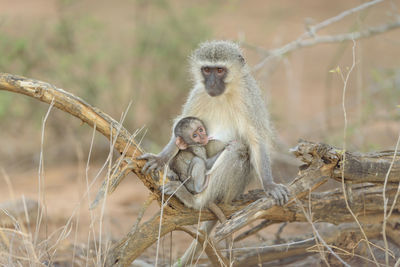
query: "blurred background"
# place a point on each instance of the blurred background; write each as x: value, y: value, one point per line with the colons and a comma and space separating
x: 116, y: 54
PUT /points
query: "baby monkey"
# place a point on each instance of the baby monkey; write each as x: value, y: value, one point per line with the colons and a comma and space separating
x: 191, y: 164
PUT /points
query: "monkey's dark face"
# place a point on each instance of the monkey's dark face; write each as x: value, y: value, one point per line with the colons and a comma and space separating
x: 214, y: 79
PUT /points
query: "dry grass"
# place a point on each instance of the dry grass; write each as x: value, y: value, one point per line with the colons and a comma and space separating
x: 113, y: 56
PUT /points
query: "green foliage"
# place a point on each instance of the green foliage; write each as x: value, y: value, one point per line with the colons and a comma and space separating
x: 385, y: 92
x: 5, y: 100
x: 76, y: 53
x: 49, y: 54
x: 13, y: 50
x: 160, y: 53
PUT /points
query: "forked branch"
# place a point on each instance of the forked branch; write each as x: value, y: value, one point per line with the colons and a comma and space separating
x: 322, y: 162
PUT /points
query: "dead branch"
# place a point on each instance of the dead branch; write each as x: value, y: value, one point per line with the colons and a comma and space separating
x: 253, y: 230
x: 121, y: 168
x: 215, y: 256
x: 336, y: 38
x: 310, y: 37
x: 327, y: 207
x: 393, y: 230
x: 302, y: 246
x: 342, y: 15
x: 73, y: 105
x: 368, y: 168
x: 79, y: 108
x: 321, y: 163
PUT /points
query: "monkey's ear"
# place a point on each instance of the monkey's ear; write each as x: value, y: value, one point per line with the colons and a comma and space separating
x: 180, y: 143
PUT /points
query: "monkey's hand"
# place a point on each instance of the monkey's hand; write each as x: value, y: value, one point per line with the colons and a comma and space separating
x: 154, y: 162
x: 171, y: 187
x: 279, y: 192
x: 172, y: 176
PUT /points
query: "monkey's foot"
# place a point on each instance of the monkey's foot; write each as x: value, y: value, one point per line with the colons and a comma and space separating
x: 172, y: 176
x: 171, y: 187
x: 279, y: 192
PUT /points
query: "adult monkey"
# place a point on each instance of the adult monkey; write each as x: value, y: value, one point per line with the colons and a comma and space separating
x: 228, y: 100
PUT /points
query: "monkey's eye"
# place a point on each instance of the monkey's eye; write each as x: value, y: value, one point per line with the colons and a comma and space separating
x: 194, y: 135
x: 206, y: 70
x: 220, y: 70
x: 201, y: 130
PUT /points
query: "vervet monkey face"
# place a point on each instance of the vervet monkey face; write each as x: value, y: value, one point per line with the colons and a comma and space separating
x: 214, y: 79
x: 190, y: 131
x: 197, y: 133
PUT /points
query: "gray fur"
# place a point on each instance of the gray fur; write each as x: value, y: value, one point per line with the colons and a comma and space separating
x: 190, y: 167
x: 190, y: 164
x: 218, y: 189
x: 217, y: 51
x: 238, y: 117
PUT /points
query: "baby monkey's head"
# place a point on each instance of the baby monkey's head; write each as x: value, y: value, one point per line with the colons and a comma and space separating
x: 190, y: 131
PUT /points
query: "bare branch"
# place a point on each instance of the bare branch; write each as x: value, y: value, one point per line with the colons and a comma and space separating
x: 302, y: 43
x: 386, y: 215
x: 253, y: 230
x: 71, y: 104
x: 310, y: 38
x: 77, y: 107
x: 327, y: 22
x: 215, y: 256
x: 322, y: 162
x: 301, y: 245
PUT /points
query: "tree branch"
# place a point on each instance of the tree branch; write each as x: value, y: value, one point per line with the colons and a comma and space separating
x: 310, y: 37
x: 302, y: 246
x: 321, y: 163
x: 79, y: 108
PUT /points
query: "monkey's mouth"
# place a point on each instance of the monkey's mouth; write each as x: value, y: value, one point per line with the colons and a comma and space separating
x: 204, y: 141
x: 215, y: 92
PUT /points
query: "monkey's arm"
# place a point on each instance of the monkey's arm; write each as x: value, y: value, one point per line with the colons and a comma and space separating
x: 277, y: 191
x: 261, y: 132
x: 157, y: 162
x: 210, y: 161
x: 197, y: 171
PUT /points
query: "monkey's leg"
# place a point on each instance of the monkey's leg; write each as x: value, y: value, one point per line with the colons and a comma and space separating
x: 229, y: 175
x: 197, y: 170
x: 191, y: 254
x: 227, y: 179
